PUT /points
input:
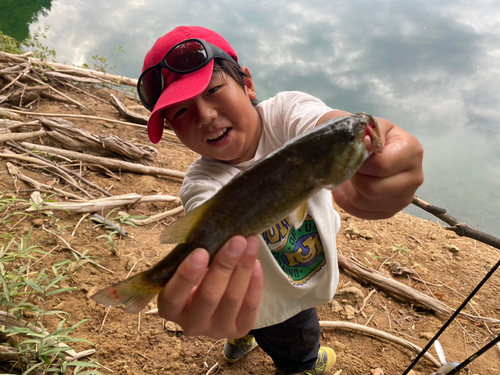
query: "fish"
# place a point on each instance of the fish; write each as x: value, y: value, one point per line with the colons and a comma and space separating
x: 255, y: 199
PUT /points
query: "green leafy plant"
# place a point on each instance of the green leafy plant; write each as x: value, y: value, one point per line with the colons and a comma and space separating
x: 9, y: 44
x: 34, y: 43
x: 404, y: 252
x: 115, y: 231
x: 103, y: 64
x: 26, y: 286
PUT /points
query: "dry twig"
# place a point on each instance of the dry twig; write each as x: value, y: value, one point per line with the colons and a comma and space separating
x: 380, y: 334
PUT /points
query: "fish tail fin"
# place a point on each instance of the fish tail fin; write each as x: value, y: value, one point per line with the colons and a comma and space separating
x: 134, y: 292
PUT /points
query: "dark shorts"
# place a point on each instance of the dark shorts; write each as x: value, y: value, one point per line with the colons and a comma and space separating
x: 293, y: 344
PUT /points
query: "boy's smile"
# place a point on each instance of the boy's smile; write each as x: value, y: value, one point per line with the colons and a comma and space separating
x: 221, y: 123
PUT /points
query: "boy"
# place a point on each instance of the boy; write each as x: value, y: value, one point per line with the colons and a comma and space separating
x: 192, y: 81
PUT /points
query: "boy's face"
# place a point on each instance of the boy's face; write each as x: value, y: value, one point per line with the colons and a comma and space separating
x: 220, y: 123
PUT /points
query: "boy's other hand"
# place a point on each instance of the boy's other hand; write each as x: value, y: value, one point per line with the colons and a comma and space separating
x: 387, y: 181
x: 221, y: 301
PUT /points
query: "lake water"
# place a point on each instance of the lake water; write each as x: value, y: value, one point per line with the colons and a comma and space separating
x: 431, y: 67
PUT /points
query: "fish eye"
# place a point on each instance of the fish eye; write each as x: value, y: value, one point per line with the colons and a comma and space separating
x: 348, y: 137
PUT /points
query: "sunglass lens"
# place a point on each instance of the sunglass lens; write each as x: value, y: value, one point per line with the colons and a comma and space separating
x: 187, y: 56
x: 150, y: 87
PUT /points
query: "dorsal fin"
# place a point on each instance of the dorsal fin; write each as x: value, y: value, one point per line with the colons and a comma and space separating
x: 298, y: 216
x: 179, y: 231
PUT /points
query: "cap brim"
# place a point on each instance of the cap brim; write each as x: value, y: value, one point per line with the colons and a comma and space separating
x: 185, y: 87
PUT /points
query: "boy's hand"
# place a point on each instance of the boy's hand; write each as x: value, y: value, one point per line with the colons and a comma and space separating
x: 221, y: 301
x: 387, y: 181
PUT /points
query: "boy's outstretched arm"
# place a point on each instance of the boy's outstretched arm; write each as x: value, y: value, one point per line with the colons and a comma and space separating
x: 386, y: 182
x: 219, y: 302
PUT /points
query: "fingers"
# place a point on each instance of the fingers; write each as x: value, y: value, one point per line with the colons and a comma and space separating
x: 176, y: 293
x: 222, y: 301
x: 387, y: 181
x: 231, y: 257
x: 250, y: 306
x: 244, y: 281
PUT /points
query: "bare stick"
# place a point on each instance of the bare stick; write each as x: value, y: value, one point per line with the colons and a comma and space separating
x: 73, y: 250
x: 81, y: 355
x: 78, y: 224
x: 38, y: 185
x: 380, y: 334
x: 59, y: 167
x: 109, y: 163
x: 366, y: 299
x: 120, y: 80
x: 52, y: 167
x: 13, y: 137
x: 128, y: 114
x: 13, y: 112
x: 98, y: 205
x: 396, y: 288
x: 158, y: 217
x: 212, y: 369
x: 16, y: 79
x: 459, y: 228
x: 104, y: 319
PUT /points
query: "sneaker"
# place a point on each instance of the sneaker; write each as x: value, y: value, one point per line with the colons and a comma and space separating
x: 324, y: 363
x: 235, y: 349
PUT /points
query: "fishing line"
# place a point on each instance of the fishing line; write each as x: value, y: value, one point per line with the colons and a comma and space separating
x: 455, y: 314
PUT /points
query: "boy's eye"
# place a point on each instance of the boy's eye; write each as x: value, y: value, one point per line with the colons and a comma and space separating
x: 212, y: 90
x: 180, y: 112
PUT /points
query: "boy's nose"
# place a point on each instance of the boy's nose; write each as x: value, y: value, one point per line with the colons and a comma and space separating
x: 206, y: 113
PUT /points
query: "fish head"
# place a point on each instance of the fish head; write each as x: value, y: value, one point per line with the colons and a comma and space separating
x: 345, y: 150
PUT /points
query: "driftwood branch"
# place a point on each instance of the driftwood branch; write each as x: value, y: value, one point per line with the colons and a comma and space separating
x: 128, y: 114
x: 456, y: 226
x: 6, y: 124
x: 14, y: 114
x: 394, y: 287
x: 157, y: 217
x: 16, y: 137
x: 68, y: 171
x: 108, y: 163
x: 379, y: 334
x: 105, y: 76
x: 15, y: 173
x: 68, y: 99
x: 71, y: 137
x: 401, y: 290
x: 98, y: 205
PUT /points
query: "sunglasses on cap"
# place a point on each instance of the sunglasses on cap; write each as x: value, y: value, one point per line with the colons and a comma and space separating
x: 183, y: 58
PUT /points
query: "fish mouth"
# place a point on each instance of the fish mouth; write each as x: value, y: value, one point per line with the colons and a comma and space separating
x: 219, y: 135
x: 373, y: 131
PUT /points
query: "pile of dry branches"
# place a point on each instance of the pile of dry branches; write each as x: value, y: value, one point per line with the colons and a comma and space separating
x: 24, y: 81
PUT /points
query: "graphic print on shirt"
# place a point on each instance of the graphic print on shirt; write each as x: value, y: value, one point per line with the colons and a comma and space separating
x: 299, y: 252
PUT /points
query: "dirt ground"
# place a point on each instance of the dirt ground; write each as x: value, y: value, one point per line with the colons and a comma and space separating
x: 144, y: 344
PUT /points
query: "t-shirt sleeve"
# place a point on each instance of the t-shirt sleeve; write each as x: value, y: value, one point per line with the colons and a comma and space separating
x: 292, y: 113
x: 204, y: 178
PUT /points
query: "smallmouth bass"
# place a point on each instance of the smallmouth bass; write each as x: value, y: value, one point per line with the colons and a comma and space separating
x: 252, y: 201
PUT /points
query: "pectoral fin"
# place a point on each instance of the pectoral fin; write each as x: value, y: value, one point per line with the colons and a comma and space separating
x: 298, y: 216
x: 179, y: 231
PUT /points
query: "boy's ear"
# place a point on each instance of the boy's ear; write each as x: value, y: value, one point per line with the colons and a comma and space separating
x: 248, y: 82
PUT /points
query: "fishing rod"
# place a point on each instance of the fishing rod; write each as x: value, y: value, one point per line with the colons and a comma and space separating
x: 481, y: 351
x: 448, y: 322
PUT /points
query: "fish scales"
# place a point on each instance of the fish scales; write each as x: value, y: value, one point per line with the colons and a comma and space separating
x: 255, y: 199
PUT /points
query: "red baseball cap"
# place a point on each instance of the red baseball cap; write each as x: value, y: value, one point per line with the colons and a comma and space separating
x: 180, y: 87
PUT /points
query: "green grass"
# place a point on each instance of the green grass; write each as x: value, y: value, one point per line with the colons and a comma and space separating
x: 26, y: 287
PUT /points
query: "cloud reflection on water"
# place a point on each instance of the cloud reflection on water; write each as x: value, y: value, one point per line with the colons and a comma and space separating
x: 430, y: 67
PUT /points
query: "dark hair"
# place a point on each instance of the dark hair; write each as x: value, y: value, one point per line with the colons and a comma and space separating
x: 233, y: 70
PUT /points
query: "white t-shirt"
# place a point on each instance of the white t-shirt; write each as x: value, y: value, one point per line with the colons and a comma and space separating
x: 299, y: 266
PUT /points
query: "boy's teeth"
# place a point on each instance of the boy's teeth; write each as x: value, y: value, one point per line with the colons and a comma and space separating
x: 217, y: 135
